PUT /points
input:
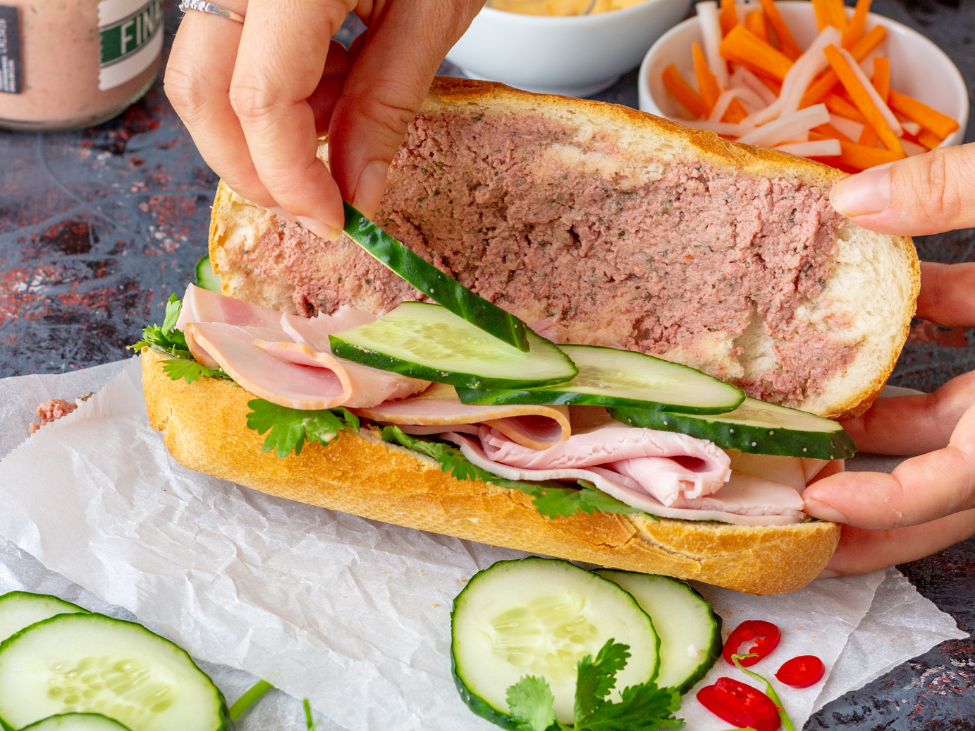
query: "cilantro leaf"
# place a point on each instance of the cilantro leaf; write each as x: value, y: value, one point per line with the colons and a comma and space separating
x: 173, y: 307
x: 166, y: 337
x: 598, y: 677
x: 289, y: 429
x: 589, y: 499
x: 530, y: 703
x: 642, y: 707
x: 189, y: 370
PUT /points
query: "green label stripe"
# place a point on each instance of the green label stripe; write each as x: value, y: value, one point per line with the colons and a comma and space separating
x: 126, y: 36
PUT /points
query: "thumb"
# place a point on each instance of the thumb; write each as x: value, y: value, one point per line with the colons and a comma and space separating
x: 388, y: 82
x: 924, y: 194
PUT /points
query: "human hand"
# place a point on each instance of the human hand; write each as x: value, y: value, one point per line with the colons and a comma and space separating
x: 256, y: 96
x: 928, y: 502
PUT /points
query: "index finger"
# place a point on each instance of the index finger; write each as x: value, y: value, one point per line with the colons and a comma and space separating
x: 947, y: 294
x: 280, y: 62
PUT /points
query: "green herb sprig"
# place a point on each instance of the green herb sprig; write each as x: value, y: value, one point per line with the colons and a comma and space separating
x: 289, y: 429
x: 643, y: 707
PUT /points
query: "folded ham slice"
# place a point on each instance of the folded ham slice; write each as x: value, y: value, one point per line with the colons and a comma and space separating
x: 438, y: 409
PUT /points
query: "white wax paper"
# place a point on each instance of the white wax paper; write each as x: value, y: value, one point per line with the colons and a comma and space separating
x: 350, y: 613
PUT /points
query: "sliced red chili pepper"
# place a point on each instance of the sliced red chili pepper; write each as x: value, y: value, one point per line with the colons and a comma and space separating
x: 802, y: 671
x: 740, y: 704
x: 765, y: 635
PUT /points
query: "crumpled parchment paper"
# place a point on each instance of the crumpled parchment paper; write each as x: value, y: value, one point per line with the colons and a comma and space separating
x: 350, y: 613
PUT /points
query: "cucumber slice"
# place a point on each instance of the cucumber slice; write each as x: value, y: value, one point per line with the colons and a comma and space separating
x: 88, y: 662
x: 19, y: 609
x: 689, y: 630
x: 77, y: 722
x: 429, y: 342
x: 206, y: 278
x: 434, y: 283
x: 756, y: 427
x: 613, y: 377
x: 539, y: 617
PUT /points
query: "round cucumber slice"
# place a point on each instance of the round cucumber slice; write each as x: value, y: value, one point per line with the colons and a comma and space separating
x: 206, y: 278
x: 19, y: 609
x: 613, y: 377
x: 429, y: 342
x: 434, y: 283
x: 756, y: 427
x: 76, y: 722
x: 75, y: 663
x: 689, y: 630
x: 540, y: 617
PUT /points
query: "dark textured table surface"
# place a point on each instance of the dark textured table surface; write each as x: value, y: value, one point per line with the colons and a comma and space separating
x: 98, y: 227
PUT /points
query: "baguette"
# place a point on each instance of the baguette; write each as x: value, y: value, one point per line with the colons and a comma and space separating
x: 461, y: 193
x: 204, y: 427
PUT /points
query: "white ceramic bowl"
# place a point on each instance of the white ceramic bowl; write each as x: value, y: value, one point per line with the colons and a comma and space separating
x: 917, y: 66
x: 576, y: 56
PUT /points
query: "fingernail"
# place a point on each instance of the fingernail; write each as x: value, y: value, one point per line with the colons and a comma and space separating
x: 823, y: 511
x: 369, y: 191
x: 281, y: 213
x: 863, y: 193
x: 321, y: 230
x: 827, y: 574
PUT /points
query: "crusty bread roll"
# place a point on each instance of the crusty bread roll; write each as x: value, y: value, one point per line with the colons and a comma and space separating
x: 205, y: 428
x: 617, y: 228
x: 625, y: 228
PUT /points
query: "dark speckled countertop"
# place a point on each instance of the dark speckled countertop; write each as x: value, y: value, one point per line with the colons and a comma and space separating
x: 98, y: 227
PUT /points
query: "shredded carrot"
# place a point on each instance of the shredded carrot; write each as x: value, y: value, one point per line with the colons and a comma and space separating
x: 827, y: 132
x: 868, y: 138
x: 736, y: 112
x: 744, y: 47
x: 854, y: 29
x: 729, y: 16
x: 881, y: 77
x: 707, y: 85
x: 787, y: 44
x: 840, y: 106
x: 862, y: 157
x: 821, y: 9
x: 929, y: 139
x: 683, y: 92
x: 863, y: 101
x: 941, y: 124
x: 838, y: 164
x: 755, y: 22
x: 822, y: 86
x: 837, y: 14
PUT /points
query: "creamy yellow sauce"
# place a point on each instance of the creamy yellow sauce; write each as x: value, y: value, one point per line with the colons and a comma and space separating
x: 560, y: 7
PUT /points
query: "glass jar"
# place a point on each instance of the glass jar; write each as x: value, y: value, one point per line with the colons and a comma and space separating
x: 68, y: 64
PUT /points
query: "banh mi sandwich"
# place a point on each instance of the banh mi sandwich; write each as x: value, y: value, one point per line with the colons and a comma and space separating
x: 629, y: 245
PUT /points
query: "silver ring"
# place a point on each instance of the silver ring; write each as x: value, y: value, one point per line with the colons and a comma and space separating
x: 205, y: 7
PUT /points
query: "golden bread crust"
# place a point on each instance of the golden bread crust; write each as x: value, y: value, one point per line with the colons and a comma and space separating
x: 204, y: 427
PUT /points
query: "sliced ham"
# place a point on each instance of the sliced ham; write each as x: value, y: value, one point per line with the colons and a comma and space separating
x: 438, y: 409
x: 314, y: 331
x: 750, y: 501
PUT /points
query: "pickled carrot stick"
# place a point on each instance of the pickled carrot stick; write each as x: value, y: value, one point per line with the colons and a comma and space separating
x: 821, y: 9
x: 862, y: 157
x: 707, y: 85
x: 729, y: 16
x: 683, y: 92
x: 787, y: 44
x: 744, y: 47
x: 881, y: 77
x: 755, y: 22
x: 837, y: 14
x: 929, y: 139
x: 828, y: 131
x: 822, y: 86
x: 854, y: 29
x: 736, y: 112
x: 866, y: 99
x: 868, y: 138
x: 707, y: 13
x: 941, y: 124
x: 841, y: 107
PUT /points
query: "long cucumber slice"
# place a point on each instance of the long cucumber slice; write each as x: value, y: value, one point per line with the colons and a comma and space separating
x: 539, y: 617
x: 434, y: 283
x: 77, y: 722
x: 689, y: 630
x: 613, y: 377
x: 756, y: 427
x: 429, y: 342
x: 19, y: 609
x: 91, y: 663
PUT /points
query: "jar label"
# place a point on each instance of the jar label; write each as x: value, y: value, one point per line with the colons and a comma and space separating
x: 131, y: 39
x: 10, y: 82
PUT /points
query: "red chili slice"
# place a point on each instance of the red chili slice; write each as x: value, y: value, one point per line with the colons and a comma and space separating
x: 740, y: 704
x: 765, y: 634
x: 802, y: 671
